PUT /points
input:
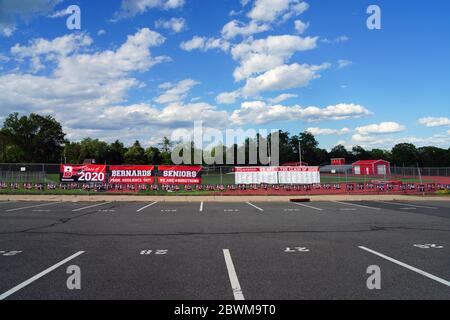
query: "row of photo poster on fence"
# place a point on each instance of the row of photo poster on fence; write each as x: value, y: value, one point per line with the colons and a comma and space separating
x: 277, y: 175
x: 93, y: 173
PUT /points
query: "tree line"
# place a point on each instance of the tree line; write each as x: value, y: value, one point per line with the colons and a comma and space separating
x: 41, y: 139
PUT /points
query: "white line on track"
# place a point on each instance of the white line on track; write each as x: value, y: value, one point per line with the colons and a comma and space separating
x: 307, y: 206
x: 426, y: 274
x: 356, y: 205
x: 8, y: 202
x: 38, y: 276
x: 93, y: 206
x: 407, y: 205
x: 201, y: 206
x: 251, y: 204
x: 237, y: 291
x: 147, y: 206
x: 34, y: 206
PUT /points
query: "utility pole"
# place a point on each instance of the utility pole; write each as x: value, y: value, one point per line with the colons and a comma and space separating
x: 300, y: 151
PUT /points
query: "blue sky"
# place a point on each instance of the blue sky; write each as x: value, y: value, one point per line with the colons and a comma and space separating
x: 142, y: 69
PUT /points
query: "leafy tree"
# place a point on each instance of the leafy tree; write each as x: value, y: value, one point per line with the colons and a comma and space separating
x: 339, y: 151
x: 432, y: 157
x: 3, y: 145
x: 309, y: 146
x: 135, y: 154
x: 39, y: 138
x: 72, y: 153
x: 153, y: 156
x: 380, y: 154
x: 360, y: 153
x: 116, y: 153
x: 405, y: 154
x: 93, y: 149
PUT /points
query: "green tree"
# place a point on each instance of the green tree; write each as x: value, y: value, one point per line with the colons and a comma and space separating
x: 116, y: 153
x: 136, y: 154
x: 405, y: 154
x: 153, y: 155
x: 72, y: 153
x: 309, y: 146
x: 3, y: 145
x: 39, y: 138
x: 432, y: 157
x: 166, y: 149
x: 380, y: 154
x: 339, y: 151
x: 360, y: 153
x: 93, y: 149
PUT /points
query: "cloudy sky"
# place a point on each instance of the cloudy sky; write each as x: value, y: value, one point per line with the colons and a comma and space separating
x: 142, y: 69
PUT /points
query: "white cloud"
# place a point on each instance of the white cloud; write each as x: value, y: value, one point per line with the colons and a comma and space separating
x: 343, y: 64
x: 258, y: 112
x: 382, y: 128
x: 3, y: 58
x: 282, y: 78
x: 388, y: 142
x: 300, y: 26
x: 101, y: 32
x: 337, y: 40
x: 257, y: 56
x: 228, y: 97
x: 50, y: 49
x: 195, y: 43
x: 58, y: 14
x: 175, y: 24
x: 13, y: 10
x: 205, y: 44
x: 236, y: 28
x: 271, y: 10
x: 328, y: 132
x: 84, y: 83
x: 176, y: 93
x: 282, y: 97
x: 435, y: 121
x: 131, y: 8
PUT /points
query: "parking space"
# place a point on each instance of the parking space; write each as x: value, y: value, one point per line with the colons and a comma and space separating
x: 225, y: 251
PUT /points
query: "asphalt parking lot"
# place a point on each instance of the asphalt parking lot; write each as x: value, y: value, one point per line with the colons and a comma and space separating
x: 225, y: 251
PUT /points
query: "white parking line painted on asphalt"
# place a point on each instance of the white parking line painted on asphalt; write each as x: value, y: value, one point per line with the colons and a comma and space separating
x: 407, y: 205
x: 357, y: 205
x: 307, y: 206
x: 38, y: 276
x: 237, y: 291
x: 5, y: 202
x: 93, y: 206
x: 34, y: 206
x: 402, y: 264
x: 201, y: 206
x: 251, y: 204
x: 147, y: 206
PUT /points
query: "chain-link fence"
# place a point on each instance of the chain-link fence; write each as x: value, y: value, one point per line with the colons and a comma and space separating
x: 224, y: 175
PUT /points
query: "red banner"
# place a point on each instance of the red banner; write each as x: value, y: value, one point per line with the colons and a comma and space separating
x: 179, y: 174
x: 131, y: 174
x: 82, y: 173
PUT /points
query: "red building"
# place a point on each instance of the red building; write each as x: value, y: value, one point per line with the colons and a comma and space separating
x: 371, y: 167
x: 338, y: 162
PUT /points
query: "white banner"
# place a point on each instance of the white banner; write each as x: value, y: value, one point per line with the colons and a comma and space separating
x: 277, y: 175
